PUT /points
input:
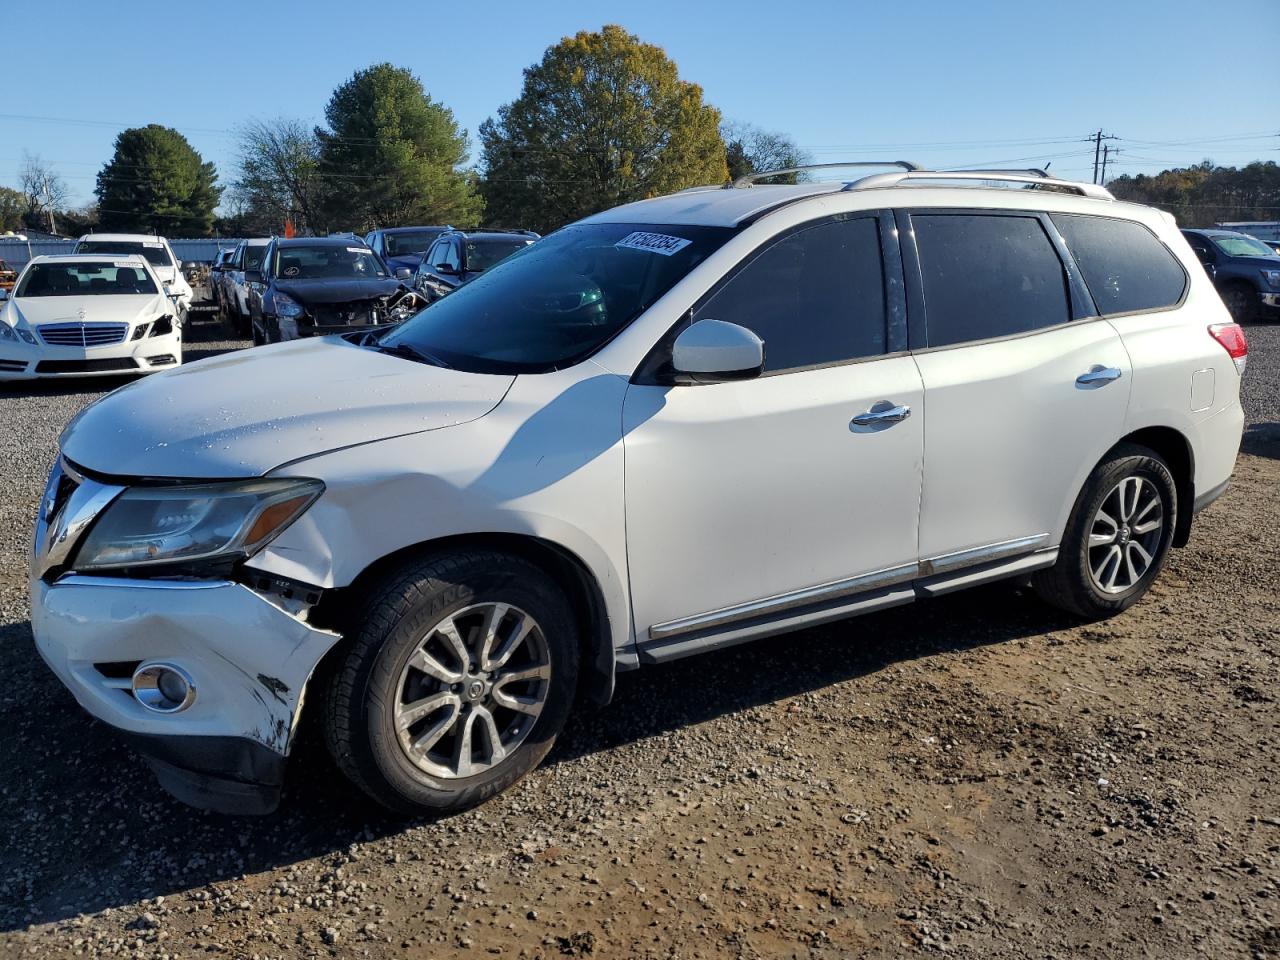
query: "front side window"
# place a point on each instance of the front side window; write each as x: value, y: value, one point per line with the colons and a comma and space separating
x: 448, y: 255
x: 988, y: 276
x: 814, y: 297
x: 85, y: 279
x: 252, y: 259
x: 326, y: 262
x: 557, y: 301
x: 153, y: 250
x: 1125, y: 266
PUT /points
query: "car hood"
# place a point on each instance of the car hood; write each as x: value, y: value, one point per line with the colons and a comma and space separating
x: 243, y: 414
x: 410, y: 260
x: 337, y: 291
x: 94, y: 309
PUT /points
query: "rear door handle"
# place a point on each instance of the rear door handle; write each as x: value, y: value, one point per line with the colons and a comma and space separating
x: 883, y: 416
x: 1099, y: 375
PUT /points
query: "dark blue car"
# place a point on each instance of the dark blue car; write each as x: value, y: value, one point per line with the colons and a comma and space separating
x: 1245, y: 270
x: 403, y: 246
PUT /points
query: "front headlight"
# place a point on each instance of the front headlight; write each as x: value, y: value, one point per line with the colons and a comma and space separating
x: 1272, y: 277
x: 286, y: 306
x: 6, y: 332
x: 188, y: 523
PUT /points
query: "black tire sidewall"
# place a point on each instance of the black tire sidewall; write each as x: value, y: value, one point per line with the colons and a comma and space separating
x: 406, y: 785
x: 1104, y: 480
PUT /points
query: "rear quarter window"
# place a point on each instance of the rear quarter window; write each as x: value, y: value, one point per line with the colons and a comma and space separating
x: 1125, y: 266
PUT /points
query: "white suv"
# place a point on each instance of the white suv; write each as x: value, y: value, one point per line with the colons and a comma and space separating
x: 668, y: 428
x: 157, y: 252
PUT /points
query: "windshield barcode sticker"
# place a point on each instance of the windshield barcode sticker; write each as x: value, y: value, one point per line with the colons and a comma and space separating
x: 152, y: 244
x: 653, y: 242
x: 355, y: 249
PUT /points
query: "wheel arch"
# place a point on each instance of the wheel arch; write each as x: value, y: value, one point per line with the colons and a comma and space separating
x: 1175, y: 449
x: 568, y: 570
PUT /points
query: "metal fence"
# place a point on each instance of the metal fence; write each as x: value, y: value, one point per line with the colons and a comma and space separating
x: 17, y: 252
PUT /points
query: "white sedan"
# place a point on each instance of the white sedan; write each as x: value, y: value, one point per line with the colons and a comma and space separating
x: 87, y: 315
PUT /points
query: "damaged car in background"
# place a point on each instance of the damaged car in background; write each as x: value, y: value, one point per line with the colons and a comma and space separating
x: 315, y: 286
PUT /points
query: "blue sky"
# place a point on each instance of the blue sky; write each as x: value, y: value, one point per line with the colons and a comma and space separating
x: 940, y: 82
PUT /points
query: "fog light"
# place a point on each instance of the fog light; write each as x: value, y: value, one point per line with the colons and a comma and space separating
x: 163, y: 687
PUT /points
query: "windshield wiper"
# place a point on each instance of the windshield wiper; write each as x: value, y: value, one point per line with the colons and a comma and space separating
x: 410, y: 352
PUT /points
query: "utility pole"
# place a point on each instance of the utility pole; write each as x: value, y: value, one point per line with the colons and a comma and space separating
x: 1107, y: 151
x: 1097, y: 139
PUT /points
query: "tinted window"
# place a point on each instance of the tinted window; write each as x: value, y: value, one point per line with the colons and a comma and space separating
x: 813, y: 297
x: 483, y: 254
x: 1125, y: 267
x: 85, y: 279
x: 252, y: 257
x: 559, y: 300
x: 988, y: 276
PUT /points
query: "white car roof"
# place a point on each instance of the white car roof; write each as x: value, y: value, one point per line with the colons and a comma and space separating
x: 731, y: 206
x: 133, y: 258
x: 257, y: 242
x: 127, y: 237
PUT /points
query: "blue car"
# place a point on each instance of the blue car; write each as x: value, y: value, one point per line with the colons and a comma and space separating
x: 403, y: 246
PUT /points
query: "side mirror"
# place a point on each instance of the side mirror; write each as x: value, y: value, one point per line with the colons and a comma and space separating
x: 403, y: 273
x: 253, y: 276
x: 446, y: 268
x: 714, y: 350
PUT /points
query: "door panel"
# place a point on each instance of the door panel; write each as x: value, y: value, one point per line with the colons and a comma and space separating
x: 740, y: 491
x: 1010, y: 435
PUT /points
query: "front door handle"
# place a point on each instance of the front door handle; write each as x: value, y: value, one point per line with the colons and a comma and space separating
x: 1099, y: 375
x: 881, y: 415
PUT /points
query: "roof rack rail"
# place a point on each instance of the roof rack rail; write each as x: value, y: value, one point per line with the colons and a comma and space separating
x: 1032, y: 171
x: 749, y: 179
x: 1036, y: 179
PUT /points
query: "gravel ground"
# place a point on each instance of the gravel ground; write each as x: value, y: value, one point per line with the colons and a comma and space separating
x: 976, y: 775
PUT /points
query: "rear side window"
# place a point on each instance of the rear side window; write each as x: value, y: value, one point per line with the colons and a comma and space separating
x: 1125, y: 266
x: 988, y: 276
x: 814, y: 297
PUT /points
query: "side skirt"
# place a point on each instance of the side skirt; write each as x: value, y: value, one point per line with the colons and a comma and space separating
x: 818, y: 605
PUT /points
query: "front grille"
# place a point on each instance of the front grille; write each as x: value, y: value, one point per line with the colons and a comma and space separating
x: 83, y: 334
x: 112, y: 365
x: 13, y: 366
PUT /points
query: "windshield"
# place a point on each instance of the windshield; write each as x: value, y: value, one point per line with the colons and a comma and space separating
x: 153, y: 250
x: 559, y: 300
x: 407, y: 244
x: 327, y: 262
x: 1243, y: 246
x: 85, y: 279
x: 483, y: 254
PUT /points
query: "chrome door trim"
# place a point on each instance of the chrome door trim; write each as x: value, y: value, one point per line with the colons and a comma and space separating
x: 992, y: 551
x: 1099, y: 376
x: 770, y: 606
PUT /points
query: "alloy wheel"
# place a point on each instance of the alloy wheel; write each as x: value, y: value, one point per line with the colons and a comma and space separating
x: 472, y: 690
x: 1124, y: 538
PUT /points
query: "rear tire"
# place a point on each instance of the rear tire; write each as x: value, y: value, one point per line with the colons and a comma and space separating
x: 1117, y: 538
x: 1241, y: 301
x: 419, y: 691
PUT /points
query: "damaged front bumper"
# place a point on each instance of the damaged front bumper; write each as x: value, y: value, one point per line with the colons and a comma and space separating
x: 249, y: 661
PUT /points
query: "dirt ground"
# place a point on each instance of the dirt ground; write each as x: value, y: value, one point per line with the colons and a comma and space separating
x: 976, y: 775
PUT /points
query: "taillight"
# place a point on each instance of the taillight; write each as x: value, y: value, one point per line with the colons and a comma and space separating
x: 1231, y: 336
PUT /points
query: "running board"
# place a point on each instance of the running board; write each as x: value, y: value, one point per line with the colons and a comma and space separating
x: 839, y: 600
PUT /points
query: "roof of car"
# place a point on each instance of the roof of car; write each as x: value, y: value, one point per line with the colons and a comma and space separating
x: 318, y: 241
x: 409, y: 229
x: 132, y: 237
x: 492, y: 233
x: 89, y: 258
x: 719, y: 206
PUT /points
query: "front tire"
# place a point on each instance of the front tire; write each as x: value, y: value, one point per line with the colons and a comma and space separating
x: 1241, y: 301
x: 1117, y: 538
x: 460, y: 674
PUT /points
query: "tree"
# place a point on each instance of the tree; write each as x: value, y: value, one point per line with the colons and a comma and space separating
x: 749, y: 149
x: 157, y: 182
x: 392, y: 156
x: 45, y: 193
x: 12, y: 206
x: 1204, y: 194
x: 278, y: 174
x: 603, y: 119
